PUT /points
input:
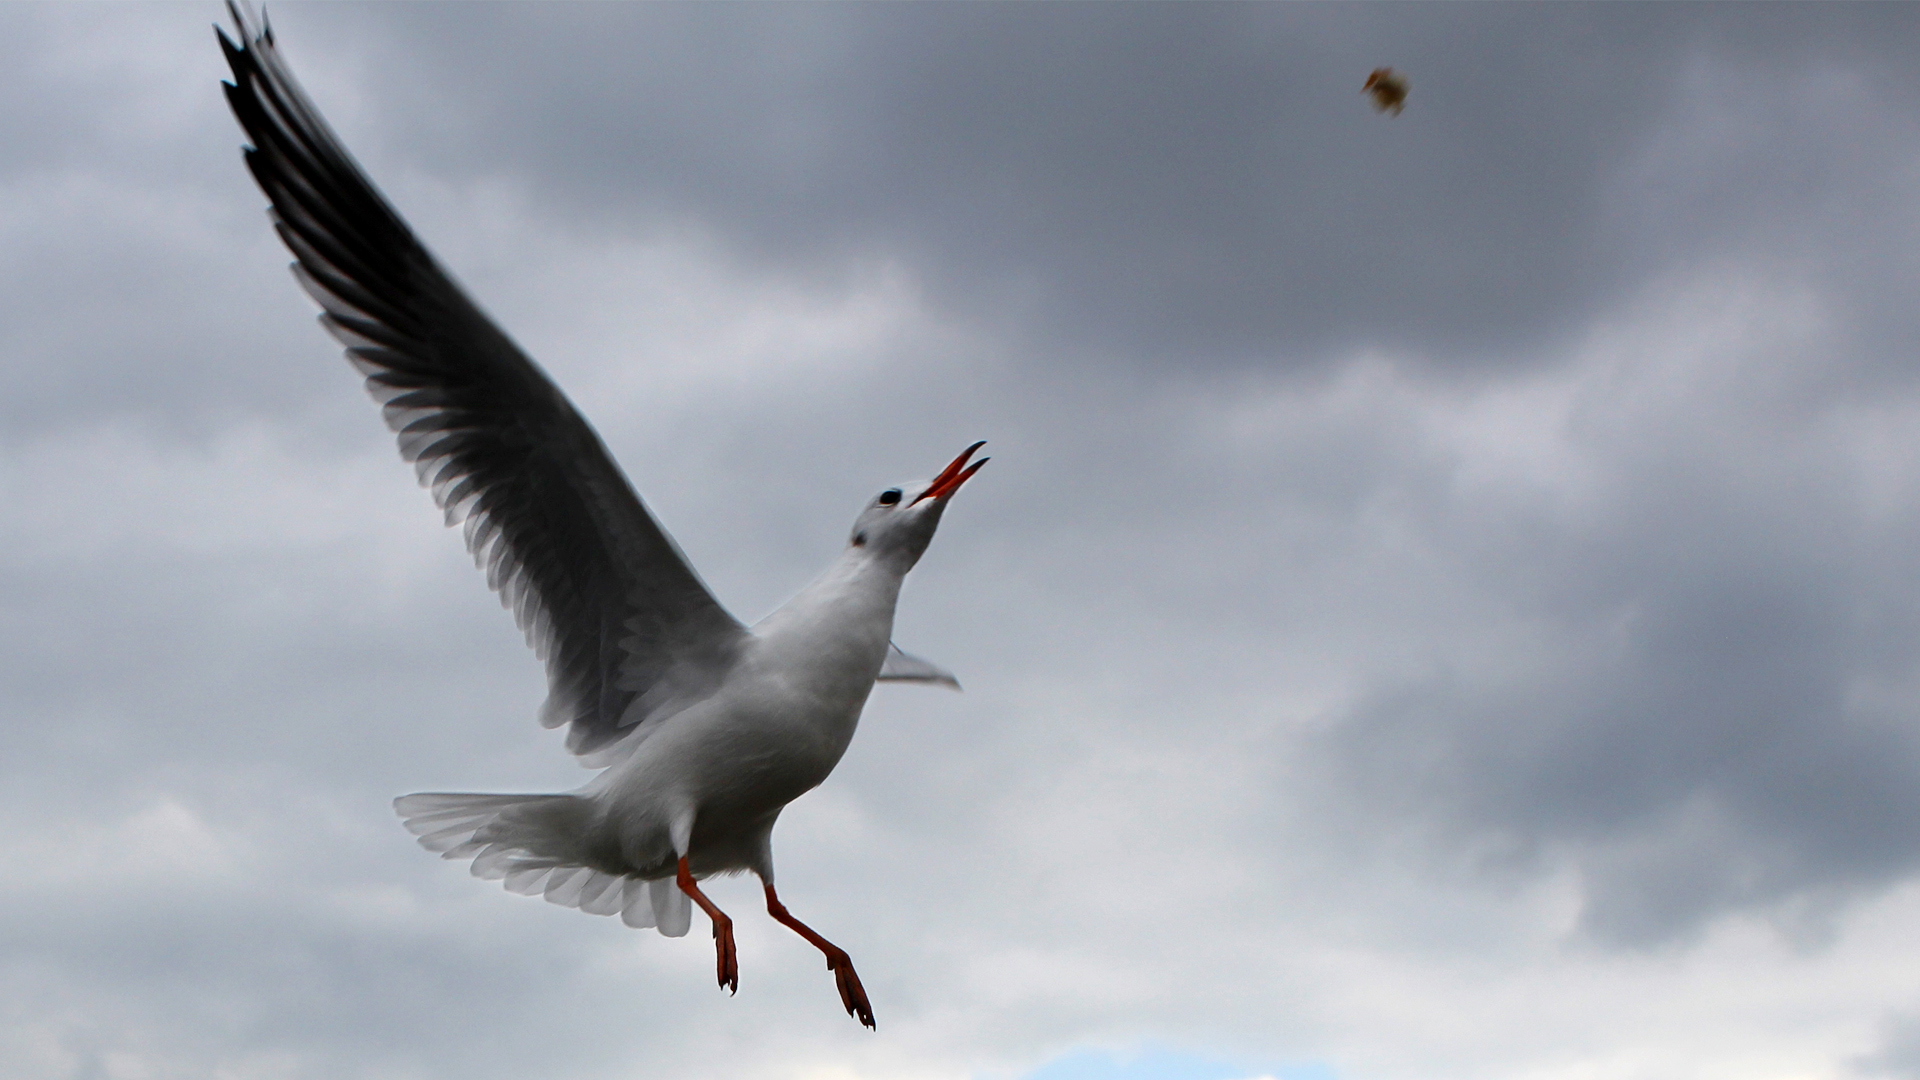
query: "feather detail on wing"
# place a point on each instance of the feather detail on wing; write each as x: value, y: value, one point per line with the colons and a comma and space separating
x: 627, y: 630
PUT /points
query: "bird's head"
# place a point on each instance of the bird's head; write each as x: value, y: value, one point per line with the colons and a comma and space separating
x: 899, y: 522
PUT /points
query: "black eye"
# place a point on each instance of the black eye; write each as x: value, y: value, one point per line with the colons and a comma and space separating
x: 889, y: 496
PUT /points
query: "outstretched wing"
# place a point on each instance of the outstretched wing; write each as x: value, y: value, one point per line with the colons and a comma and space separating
x: 627, y: 630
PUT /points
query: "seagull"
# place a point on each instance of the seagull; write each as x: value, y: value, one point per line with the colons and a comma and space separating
x: 703, y: 729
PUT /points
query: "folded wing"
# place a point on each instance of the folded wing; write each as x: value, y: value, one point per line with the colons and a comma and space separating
x: 902, y: 666
x: 627, y: 630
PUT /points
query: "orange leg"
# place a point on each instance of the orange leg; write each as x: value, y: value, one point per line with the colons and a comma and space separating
x: 726, y: 960
x: 838, y: 962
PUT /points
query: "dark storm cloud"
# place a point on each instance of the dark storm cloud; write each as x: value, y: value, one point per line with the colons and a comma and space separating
x: 1191, y: 185
x: 1710, y: 708
x: 127, y: 260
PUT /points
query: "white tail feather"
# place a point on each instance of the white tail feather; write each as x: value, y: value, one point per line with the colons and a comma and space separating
x: 672, y: 909
x: 602, y: 894
x: 532, y: 845
x: 636, y: 910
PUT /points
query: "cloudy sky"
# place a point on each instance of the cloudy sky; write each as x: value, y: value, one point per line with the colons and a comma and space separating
x: 1445, y: 602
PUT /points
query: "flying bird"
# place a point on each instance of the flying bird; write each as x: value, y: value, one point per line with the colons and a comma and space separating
x: 1388, y: 89
x: 704, y: 729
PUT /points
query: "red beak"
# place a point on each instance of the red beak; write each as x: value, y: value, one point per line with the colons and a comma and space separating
x: 953, y: 475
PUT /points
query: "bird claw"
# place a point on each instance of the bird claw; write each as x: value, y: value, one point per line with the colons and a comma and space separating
x: 726, y: 957
x: 852, y: 994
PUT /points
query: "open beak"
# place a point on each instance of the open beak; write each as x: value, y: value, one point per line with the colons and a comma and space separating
x: 953, y: 475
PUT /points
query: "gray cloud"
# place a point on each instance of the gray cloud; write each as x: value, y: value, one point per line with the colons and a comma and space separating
x: 1191, y: 186
x: 1707, y: 709
x: 1898, y: 1055
x: 1408, y: 541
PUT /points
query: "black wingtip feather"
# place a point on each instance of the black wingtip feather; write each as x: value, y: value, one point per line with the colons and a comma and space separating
x: 601, y: 591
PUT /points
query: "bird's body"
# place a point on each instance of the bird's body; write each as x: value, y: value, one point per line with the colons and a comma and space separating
x: 725, y: 768
x: 704, y: 729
